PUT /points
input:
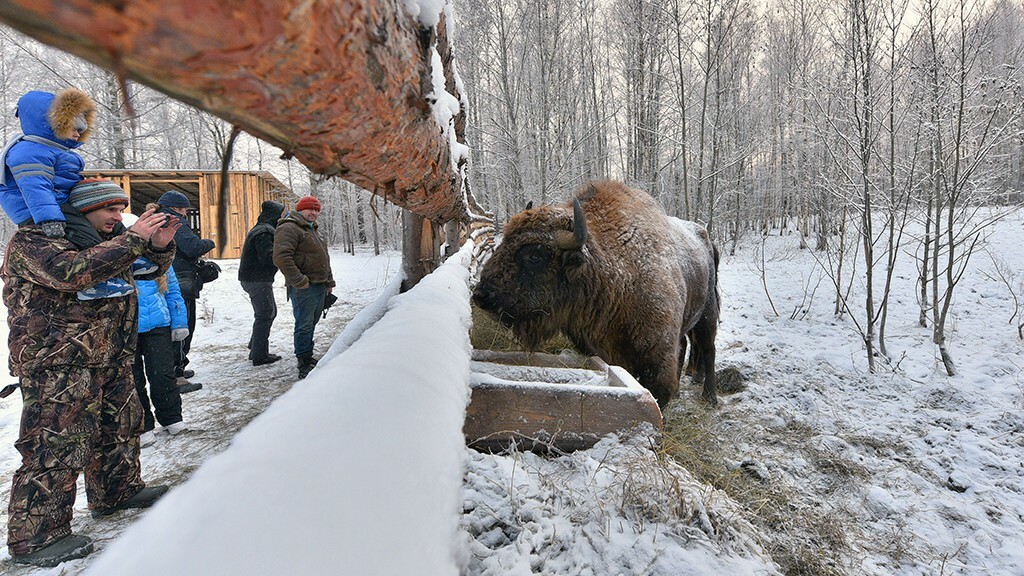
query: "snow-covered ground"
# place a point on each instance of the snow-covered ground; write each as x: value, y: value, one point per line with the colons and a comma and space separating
x: 922, y: 473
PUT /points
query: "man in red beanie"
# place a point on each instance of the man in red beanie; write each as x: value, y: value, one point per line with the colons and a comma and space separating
x: 302, y: 256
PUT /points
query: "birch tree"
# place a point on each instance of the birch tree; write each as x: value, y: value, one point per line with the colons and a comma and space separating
x: 903, y: 137
x: 640, y: 46
x: 971, y: 110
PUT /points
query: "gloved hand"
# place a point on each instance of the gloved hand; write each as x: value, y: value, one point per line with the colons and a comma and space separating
x: 53, y: 229
x: 329, y: 300
x: 179, y: 334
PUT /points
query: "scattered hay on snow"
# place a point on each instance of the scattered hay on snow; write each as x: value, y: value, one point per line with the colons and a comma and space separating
x: 617, y: 508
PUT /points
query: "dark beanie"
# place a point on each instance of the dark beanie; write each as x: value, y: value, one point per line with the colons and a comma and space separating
x: 174, y: 199
x: 95, y: 193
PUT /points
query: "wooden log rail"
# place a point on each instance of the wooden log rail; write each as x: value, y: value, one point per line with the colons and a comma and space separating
x: 341, y: 85
x: 356, y: 471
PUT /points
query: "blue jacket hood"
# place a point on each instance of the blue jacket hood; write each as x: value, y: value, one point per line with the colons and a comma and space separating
x: 33, y: 112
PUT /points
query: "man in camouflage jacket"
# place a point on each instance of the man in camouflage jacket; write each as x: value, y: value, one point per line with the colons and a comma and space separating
x: 80, y: 411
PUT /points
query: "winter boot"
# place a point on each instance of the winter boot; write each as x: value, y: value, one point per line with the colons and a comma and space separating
x: 143, y: 266
x: 306, y: 363
x: 176, y: 428
x: 67, y: 548
x: 270, y: 359
x: 142, y: 499
x: 112, y: 288
x: 184, y: 386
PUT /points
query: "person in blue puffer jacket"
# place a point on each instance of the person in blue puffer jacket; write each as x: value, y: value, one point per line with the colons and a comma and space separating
x: 162, y: 321
x: 190, y: 247
x: 40, y: 164
x: 40, y: 167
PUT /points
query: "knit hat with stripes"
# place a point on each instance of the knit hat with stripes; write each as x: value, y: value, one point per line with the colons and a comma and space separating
x: 95, y: 193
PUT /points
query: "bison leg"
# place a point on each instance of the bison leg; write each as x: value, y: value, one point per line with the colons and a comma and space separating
x: 702, y: 355
x: 683, y: 368
x: 693, y: 366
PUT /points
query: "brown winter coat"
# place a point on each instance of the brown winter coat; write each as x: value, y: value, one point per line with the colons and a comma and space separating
x: 49, y: 325
x: 300, y: 253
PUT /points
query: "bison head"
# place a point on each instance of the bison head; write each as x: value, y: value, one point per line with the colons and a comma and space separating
x: 529, y: 281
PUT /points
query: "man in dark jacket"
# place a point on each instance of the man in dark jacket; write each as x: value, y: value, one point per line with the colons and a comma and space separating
x: 73, y: 360
x: 186, y: 261
x: 302, y: 256
x: 256, y: 271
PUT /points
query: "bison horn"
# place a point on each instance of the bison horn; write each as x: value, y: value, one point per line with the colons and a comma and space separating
x: 579, y: 223
x: 579, y: 229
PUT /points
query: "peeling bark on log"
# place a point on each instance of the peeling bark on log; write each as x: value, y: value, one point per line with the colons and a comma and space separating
x: 340, y: 85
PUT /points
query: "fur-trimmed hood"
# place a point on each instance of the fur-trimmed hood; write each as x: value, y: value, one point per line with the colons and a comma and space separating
x: 52, y: 116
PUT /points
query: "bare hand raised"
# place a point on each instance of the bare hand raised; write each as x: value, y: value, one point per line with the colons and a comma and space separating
x: 158, y: 228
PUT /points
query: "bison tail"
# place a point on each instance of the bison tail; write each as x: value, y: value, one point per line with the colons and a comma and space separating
x: 718, y: 293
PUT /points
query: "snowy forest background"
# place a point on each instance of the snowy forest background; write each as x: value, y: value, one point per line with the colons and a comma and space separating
x: 873, y: 129
x: 845, y: 157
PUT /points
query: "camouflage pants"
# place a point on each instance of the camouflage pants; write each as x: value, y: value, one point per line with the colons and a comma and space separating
x: 74, y: 419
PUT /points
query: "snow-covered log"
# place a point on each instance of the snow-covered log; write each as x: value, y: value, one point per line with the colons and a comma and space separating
x: 345, y: 86
x: 342, y: 474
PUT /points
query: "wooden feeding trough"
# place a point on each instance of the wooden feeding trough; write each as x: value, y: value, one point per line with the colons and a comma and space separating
x: 546, y: 401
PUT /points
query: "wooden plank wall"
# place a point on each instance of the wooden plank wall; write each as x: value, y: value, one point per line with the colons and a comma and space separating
x: 246, y: 193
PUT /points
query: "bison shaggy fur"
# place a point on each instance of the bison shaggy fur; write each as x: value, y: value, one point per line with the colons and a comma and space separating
x: 619, y: 277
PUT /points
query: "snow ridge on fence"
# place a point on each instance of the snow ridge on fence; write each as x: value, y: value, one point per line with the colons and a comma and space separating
x: 356, y: 470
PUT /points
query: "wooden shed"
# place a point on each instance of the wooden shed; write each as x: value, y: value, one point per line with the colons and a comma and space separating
x: 247, y: 191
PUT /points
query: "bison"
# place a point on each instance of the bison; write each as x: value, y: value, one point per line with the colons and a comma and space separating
x: 619, y: 277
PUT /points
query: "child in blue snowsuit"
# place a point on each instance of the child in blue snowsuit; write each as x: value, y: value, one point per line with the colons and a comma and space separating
x: 41, y: 167
x: 163, y: 320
